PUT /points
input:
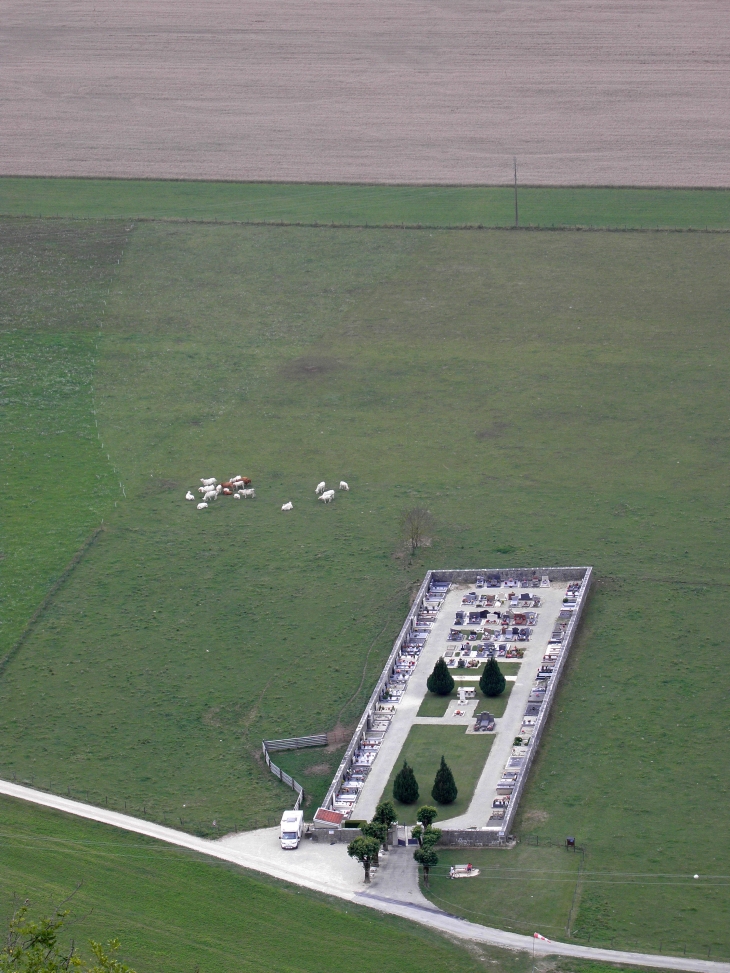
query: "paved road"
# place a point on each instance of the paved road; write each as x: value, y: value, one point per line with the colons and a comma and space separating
x: 328, y: 869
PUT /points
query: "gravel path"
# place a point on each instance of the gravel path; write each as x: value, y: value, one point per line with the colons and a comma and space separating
x: 327, y: 868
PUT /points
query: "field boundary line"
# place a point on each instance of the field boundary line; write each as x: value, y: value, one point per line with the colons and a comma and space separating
x: 436, y: 919
x: 334, y: 225
x: 49, y: 596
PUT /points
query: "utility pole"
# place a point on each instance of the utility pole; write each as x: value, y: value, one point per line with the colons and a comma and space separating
x: 517, y: 216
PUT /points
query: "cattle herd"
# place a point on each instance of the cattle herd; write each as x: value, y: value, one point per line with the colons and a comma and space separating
x: 239, y: 487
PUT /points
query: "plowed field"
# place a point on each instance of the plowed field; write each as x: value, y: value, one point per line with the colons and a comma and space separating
x: 583, y: 92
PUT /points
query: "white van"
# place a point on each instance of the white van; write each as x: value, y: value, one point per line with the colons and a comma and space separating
x: 292, y: 825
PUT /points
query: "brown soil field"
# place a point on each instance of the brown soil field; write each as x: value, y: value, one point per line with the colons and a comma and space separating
x: 583, y: 92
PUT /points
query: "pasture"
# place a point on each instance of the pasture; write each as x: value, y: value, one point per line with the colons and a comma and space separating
x: 537, y: 391
x: 365, y: 205
x: 369, y: 92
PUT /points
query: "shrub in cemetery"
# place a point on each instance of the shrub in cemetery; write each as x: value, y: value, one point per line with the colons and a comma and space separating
x: 492, y: 682
x: 444, y: 786
x: 440, y: 681
x: 405, y: 785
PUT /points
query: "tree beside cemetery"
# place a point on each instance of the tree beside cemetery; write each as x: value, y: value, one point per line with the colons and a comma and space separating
x: 385, y: 813
x: 405, y: 785
x: 416, y: 524
x: 492, y: 682
x: 440, y: 682
x: 366, y: 851
x: 426, y: 815
x: 444, y: 786
x: 427, y: 858
x: 376, y: 829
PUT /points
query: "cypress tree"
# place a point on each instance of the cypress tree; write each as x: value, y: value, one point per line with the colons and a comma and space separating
x: 440, y: 681
x: 405, y: 785
x: 492, y: 682
x: 444, y: 786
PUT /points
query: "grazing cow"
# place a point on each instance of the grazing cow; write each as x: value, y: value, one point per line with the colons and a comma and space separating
x: 202, y: 506
x: 328, y: 496
x: 343, y: 485
x: 288, y: 506
x: 189, y: 495
x: 246, y: 480
x: 320, y: 488
x: 210, y: 495
x: 209, y: 482
x: 247, y: 493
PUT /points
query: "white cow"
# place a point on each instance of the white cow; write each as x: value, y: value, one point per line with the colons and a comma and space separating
x: 202, y: 489
x: 189, y: 495
x: 343, y: 485
x: 202, y: 506
x: 288, y: 506
x: 210, y: 495
x: 209, y: 482
x: 320, y: 488
x: 328, y: 496
x: 236, y: 496
x: 219, y: 489
x: 247, y: 493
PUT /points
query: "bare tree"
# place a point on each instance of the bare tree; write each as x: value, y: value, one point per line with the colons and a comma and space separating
x: 416, y: 523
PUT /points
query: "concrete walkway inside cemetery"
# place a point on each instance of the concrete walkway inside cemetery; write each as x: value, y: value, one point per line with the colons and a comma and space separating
x: 328, y: 869
x: 508, y: 726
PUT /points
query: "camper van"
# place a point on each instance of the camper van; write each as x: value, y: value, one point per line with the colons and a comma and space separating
x: 292, y: 825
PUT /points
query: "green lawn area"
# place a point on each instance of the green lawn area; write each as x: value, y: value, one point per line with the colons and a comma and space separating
x: 58, y: 483
x: 434, y: 705
x: 464, y: 753
x: 363, y: 204
x: 537, y: 392
x: 176, y: 911
x: 527, y: 889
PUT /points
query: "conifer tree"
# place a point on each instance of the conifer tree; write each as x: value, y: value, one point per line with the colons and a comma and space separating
x: 444, y: 786
x: 405, y: 785
x: 492, y: 682
x: 440, y: 681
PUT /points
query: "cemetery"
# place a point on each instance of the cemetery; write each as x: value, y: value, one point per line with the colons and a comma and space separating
x: 445, y: 673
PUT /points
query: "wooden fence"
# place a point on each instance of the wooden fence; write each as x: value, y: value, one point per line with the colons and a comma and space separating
x: 291, y: 743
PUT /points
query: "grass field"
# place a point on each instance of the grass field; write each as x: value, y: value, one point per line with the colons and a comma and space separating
x: 536, y: 391
x: 523, y: 890
x: 362, y: 204
x: 464, y: 753
x: 57, y: 481
x: 434, y: 705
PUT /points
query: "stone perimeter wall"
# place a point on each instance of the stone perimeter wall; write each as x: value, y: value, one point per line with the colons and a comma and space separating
x: 476, y: 838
